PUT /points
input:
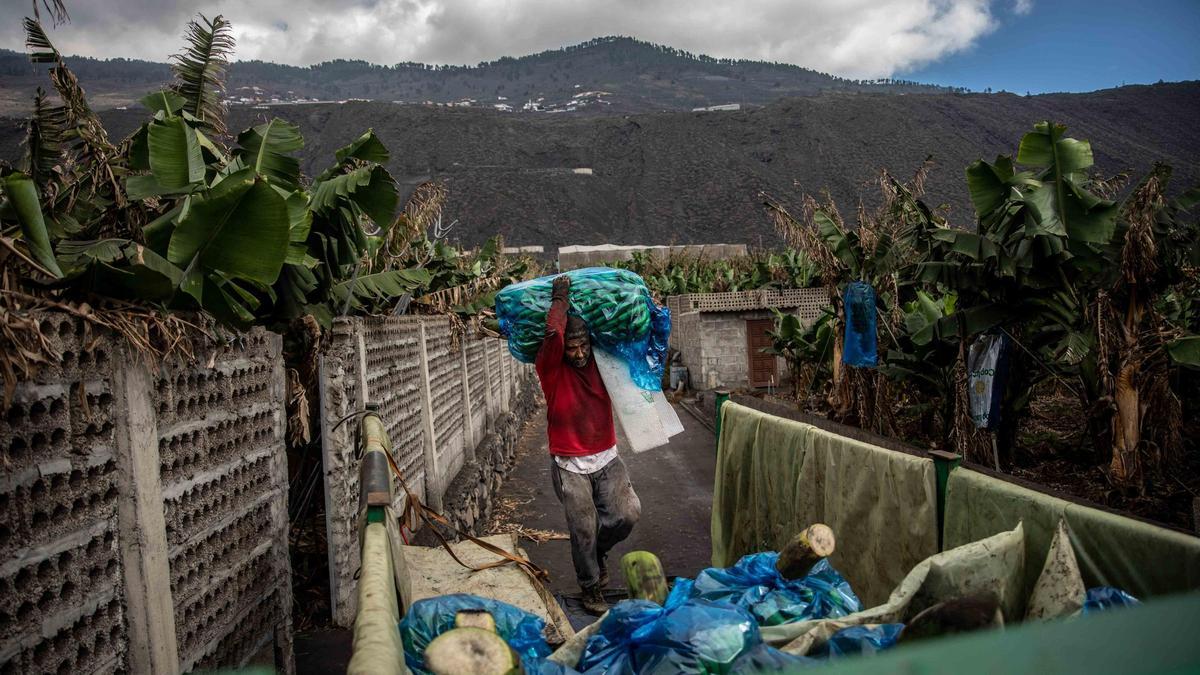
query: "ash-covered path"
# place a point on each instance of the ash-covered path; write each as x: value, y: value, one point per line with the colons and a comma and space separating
x: 674, y: 482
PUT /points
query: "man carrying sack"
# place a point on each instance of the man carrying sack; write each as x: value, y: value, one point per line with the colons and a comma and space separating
x: 589, y: 477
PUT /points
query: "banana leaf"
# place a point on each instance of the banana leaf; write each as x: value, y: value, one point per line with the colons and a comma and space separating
x: 1185, y: 351
x: 371, y: 289
x: 121, y: 268
x: 23, y: 196
x: 267, y: 150
x: 240, y: 227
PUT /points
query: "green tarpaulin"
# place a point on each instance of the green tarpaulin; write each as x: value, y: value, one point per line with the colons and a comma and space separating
x: 1111, y: 550
x: 776, y: 476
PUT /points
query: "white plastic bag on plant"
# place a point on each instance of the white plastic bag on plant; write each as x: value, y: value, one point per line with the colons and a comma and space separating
x: 987, y: 373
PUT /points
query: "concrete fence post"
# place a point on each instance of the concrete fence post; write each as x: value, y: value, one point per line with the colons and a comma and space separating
x: 469, y: 439
x: 364, y: 393
x: 150, y: 609
x: 434, y: 482
x: 506, y: 380
x: 489, y: 376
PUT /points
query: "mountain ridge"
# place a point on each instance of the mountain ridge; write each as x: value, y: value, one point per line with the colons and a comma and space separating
x: 639, y: 76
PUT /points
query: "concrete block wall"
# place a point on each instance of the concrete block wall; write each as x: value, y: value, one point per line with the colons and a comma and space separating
x: 440, y: 397
x: 143, y: 515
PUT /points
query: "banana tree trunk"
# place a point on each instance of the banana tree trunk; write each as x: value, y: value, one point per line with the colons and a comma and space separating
x: 1127, y: 426
x: 1127, y: 423
x: 839, y: 393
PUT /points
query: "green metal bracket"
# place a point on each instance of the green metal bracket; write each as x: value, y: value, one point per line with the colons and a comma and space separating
x: 943, y: 463
x: 722, y: 397
x: 376, y: 514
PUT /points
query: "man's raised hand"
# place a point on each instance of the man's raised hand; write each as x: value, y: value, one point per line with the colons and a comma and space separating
x: 561, y: 287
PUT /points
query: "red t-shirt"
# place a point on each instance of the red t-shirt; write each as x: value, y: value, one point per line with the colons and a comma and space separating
x: 578, y: 409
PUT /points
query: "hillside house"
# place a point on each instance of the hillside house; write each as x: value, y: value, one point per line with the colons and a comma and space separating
x: 720, y: 337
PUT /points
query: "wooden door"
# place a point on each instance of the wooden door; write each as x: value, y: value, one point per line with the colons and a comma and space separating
x: 763, y: 368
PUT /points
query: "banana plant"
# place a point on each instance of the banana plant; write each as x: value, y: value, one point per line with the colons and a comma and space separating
x: 174, y: 217
x: 924, y: 359
x: 806, y: 349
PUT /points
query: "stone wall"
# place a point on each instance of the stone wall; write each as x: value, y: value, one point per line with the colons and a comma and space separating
x: 143, y: 514
x: 439, y: 396
x: 468, y: 499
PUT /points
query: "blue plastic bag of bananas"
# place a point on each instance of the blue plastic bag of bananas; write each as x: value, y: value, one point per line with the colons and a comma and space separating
x: 616, y: 304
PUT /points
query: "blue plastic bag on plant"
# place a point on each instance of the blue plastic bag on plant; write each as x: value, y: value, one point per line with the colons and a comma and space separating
x: 860, y: 348
x: 1103, y: 598
x: 866, y: 639
x: 753, y: 583
x: 617, y: 307
x: 429, y: 618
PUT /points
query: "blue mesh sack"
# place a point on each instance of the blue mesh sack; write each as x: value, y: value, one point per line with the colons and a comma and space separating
x: 866, y: 639
x: 754, y: 584
x: 429, y: 618
x: 860, y: 348
x: 1103, y: 598
x: 617, y: 307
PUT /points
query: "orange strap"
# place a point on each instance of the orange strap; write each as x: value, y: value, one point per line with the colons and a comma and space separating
x: 433, y: 518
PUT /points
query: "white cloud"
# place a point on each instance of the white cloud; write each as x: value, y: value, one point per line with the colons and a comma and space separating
x: 852, y: 38
x: 1022, y: 7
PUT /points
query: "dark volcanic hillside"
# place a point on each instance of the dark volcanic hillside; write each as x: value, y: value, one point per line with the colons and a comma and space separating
x: 695, y: 177
x: 636, y: 77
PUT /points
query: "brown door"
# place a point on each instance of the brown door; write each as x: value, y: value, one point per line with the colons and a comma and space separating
x: 763, y: 369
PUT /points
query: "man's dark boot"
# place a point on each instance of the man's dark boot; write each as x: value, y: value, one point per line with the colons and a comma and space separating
x: 602, y: 561
x: 593, y: 600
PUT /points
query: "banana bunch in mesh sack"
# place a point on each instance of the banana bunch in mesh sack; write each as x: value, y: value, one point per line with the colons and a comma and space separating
x: 616, y: 304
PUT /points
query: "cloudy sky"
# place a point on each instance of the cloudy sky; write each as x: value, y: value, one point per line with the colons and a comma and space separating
x: 975, y: 43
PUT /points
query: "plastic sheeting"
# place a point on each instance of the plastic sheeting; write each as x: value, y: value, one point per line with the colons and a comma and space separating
x: 1103, y: 598
x: 857, y: 640
x: 766, y: 659
x: 431, y: 617
x: 987, y: 376
x: 617, y: 307
x: 995, y: 564
x: 860, y: 344
x: 776, y: 476
x: 755, y: 585
x: 682, y: 636
x: 1143, y: 559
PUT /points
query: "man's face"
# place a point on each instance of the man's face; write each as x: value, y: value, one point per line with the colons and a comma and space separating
x: 578, y: 351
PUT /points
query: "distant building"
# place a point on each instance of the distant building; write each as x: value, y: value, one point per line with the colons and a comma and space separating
x: 503, y: 107
x: 727, y: 107
x: 575, y: 257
